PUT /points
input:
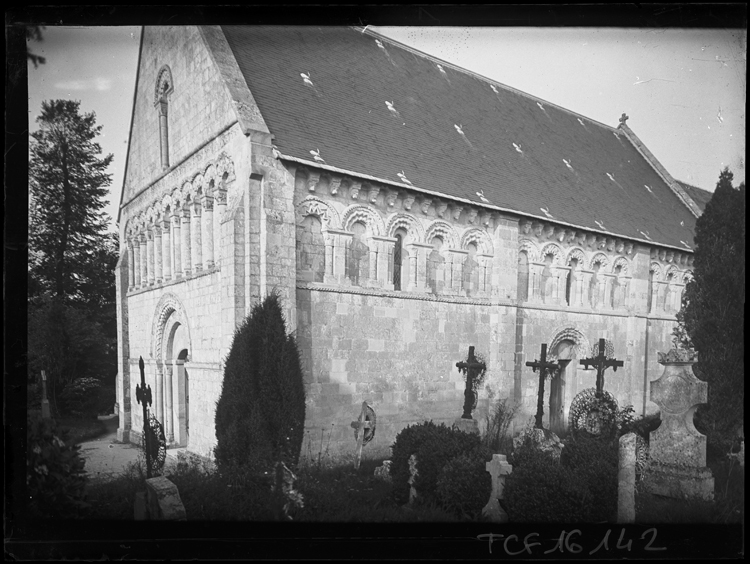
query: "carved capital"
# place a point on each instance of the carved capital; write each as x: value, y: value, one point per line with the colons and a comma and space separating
x: 208, y: 203
x: 441, y: 207
x: 456, y: 211
x: 549, y: 231
x: 662, y: 255
x: 619, y: 246
x: 221, y: 197
x: 354, y: 187
x: 601, y: 242
x: 312, y: 181
x: 408, y: 201
x: 425, y: 205
x: 334, y: 185
x: 560, y: 234
x: 591, y: 240
x: 485, y: 218
x: 525, y: 226
x: 610, y: 244
x: 537, y: 228
x: 472, y: 215
x: 390, y: 197
x: 629, y: 249
x: 670, y: 256
x: 372, y: 193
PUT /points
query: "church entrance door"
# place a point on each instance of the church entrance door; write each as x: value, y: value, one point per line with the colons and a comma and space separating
x: 561, y: 386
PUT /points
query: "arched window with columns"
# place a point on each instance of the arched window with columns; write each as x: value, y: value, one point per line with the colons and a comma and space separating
x: 436, y: 266
x: 358, y: 255
x: 164, y: 88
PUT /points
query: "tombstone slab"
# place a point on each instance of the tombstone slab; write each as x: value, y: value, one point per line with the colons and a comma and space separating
x: 626, y: 479
x: 163, y: 500
x: 466, y: 425
x: 678, y: 451
x: 498, y: 468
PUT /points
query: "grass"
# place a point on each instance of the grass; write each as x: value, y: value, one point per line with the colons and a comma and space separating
x: 81, y: 430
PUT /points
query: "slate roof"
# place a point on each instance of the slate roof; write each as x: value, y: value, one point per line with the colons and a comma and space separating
x: 515, y: 149
x: 699, y: 195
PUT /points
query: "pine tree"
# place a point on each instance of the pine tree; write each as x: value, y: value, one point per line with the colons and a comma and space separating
x: 68, y: 183
x: 260, y: 413
x: 712, y: 314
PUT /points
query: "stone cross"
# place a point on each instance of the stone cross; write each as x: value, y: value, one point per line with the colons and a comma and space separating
x: 677, y: 450
x: 601, y: 363
x: 45, y: 402
x: 498, y: 468
x: 143, y: 395
x: 359, y: 426
x: 471, y: 367
x: 543, y: 366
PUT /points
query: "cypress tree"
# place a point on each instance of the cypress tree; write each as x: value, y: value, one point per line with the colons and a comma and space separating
x: 260, y: 414
x: 712, y: 315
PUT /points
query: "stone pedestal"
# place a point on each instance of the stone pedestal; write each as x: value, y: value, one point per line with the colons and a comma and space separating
x: 678, y: 451
x: 466, y: 425
x: 626, y: 480
x: 163, y: 500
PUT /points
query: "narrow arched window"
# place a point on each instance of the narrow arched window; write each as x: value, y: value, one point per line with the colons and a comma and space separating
x: 164, y: 87
x: 570, y: 280
x: 397, y: 258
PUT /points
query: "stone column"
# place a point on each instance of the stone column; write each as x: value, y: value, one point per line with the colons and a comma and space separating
x: 423, y: 251
x: 385, y: 247
x: 159, y: 392
x: 143, y: 261
x: 169, y: 418
x: 176, y: 245
x: 186, y: 241
x: 341, y: 241
x: 583, y: 283
x: 535, y: 281
x: 412, y: 253
x: 457, y: 259
x: 195, y: 243
x: 659, y: 301
x: 166, y: 250
x: 131, y: 266
x: 677, y: 450
x: 485, y: 273
x: 158, y: 276
x: 626, y: 479
x: 221, y: 206
x: 150, y: 255
x: 372, y: 275
x: 208, y: 233
x: 329, y: 239
x: 560, y: 276
x: 136, y: 262
x: 609, y: 283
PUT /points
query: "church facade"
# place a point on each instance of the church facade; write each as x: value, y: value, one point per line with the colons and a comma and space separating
x: 405, y: 209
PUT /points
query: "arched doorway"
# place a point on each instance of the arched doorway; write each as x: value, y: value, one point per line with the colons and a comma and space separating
x: 562, y: 385
x: 183, y: 393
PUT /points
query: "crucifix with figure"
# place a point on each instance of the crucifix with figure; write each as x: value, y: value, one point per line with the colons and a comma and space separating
x: 471, y: 367
x: 143, y: 395
x: 601, y: 362
x: 544, y: 368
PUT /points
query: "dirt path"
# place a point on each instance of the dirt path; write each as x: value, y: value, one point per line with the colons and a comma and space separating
x: 105, y: 457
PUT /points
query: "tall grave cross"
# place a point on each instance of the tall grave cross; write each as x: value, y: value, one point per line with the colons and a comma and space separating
x: 543, y: 366
x: 143, y: 395
x: 471, y: 367
x: 601, y: 363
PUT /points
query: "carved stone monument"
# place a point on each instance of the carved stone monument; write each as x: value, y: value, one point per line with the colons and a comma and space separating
x: 678, y: 451
x: 498, y: 468
x: 626, y: 479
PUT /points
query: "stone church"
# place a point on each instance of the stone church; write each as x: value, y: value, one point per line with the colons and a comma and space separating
x: 405, y: 209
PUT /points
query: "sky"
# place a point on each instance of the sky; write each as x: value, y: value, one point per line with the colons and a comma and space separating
x: 683, y: 89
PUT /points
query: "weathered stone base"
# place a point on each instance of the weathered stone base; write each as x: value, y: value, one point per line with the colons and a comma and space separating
x: 467, y: 425
x: 123, y: 435
x: 679, y: 482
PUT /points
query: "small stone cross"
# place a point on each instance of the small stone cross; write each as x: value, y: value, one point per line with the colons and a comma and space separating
x: 498, y: 468
x: 624, y: 118
x: 471, y: 367
x: 601, y: 363
x: 360, y: 425
x: 543, y: 366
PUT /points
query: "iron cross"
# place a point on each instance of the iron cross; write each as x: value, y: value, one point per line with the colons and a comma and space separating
x: 601, y: 363
x: 143, y: 395
x: 471, y: 367
x: 543, y: 366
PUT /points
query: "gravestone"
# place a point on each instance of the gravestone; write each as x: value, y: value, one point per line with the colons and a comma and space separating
x: 678, y: 451
x: 498, y: 468
x: 45, y: 402
x: 626, y: 479
x: 412, y: 476
x: 160, y: 502
x: 364, y: 430
x: 384, y: 472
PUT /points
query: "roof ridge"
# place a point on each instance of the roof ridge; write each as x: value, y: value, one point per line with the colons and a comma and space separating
x: 458, y: 68
x: 693, y: 186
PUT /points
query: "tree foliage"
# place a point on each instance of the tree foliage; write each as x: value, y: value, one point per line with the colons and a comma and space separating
x: 72, y: 313
x: 712, y: 315
x: 34, y: 33
x: 260, y: 413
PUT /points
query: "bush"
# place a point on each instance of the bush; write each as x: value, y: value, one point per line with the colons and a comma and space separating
x: 80, y: 398
x: 434, y: 446
x: 464, y: 485
x: 260, y: 414
x: 55, y: 476
x: 496, y: 436
x: 540, y: 490
x: 595, y: 463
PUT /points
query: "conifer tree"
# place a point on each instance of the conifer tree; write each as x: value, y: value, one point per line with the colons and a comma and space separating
x: 712, y: 315
x: 260, y: 414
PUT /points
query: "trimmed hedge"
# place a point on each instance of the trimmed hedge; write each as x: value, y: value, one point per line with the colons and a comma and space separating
x: 435, y: 446
x: 464, y: 485
x: 594, y: 461
x: 260, y: 414
x: 80, y: 398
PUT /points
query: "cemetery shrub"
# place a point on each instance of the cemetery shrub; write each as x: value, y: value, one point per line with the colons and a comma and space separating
x: 464, y: 485
x: 498, y: 420
x: 541, y: 490
x: 594, y: 462
x: 55, y: 476
x: 80, y: 398
x: 434, y: 446
x: 260, y: 414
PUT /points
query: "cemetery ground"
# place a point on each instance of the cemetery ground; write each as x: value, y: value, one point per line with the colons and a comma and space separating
x: 334, y: 491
